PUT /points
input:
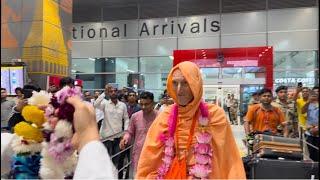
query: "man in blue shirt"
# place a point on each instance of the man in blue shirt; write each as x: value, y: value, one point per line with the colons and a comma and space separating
x: 312, y: 132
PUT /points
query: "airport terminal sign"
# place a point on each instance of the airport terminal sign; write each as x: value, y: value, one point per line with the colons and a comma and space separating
x: 149, y: 28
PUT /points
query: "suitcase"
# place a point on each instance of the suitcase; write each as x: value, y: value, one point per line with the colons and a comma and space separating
x: 275, y: 147
x: 278, y: 153
x: 275, y: 139
x: 279, y: 145
x: 261, y: 168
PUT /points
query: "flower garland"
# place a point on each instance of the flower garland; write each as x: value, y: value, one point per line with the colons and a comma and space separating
x: 59, y: 157
x: 42, y: 143
x: 202, y: 149
x: 26, y: 143
x: 26, y: 166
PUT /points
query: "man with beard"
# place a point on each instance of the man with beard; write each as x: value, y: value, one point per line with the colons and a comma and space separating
x: 264, y: 117
x: 115, y: 117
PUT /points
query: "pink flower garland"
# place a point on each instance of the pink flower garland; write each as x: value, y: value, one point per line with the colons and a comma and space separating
x: 60, y: 148
x: 203, y: 152
x: 202, y: 149
x: 168, y: 157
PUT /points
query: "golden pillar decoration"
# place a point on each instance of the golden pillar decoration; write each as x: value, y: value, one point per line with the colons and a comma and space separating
x: 39, y: 33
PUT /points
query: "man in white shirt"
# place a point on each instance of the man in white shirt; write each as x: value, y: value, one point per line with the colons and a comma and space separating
x: 115, y: 119
x: 99, y: 112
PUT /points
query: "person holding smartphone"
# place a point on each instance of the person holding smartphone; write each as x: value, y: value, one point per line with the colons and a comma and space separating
x: 16, y: 116
x: 300, y: 102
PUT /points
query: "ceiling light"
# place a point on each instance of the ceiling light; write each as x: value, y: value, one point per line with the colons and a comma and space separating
x: 92, y: 59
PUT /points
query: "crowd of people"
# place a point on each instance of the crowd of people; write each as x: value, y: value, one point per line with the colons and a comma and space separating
x: 180, y: 136
x: 293, y: 117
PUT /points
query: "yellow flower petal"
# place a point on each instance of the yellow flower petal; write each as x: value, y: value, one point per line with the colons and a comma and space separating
x: 33, y: 114
x: 28, y: 132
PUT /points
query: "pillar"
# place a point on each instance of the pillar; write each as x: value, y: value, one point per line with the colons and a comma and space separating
x: 39, y: 33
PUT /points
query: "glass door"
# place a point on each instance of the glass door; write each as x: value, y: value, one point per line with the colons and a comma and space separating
x: 218, y: 94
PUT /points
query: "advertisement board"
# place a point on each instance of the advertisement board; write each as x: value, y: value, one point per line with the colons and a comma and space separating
x: 11, y: 78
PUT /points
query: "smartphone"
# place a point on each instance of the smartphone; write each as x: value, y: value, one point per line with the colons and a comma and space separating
x: 299, y: 84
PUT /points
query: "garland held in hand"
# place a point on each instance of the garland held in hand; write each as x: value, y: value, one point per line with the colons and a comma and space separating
x: 42, y: 143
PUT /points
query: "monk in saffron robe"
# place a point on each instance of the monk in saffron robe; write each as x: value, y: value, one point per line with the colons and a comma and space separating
x: 199, y: 134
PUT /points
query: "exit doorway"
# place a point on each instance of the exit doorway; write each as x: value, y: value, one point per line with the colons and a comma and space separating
x: 218, y: 94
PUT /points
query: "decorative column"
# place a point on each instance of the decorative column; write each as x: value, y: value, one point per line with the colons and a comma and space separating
x: 39, y: 33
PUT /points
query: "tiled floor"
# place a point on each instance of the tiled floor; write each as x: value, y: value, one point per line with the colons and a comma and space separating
x: 238, y: 133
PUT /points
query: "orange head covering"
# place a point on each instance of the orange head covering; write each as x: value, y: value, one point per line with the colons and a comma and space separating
x: 226, y: 160
x: 192, y: 74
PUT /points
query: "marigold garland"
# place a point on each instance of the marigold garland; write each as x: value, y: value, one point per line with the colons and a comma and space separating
x: 33, y: 114
x: 48, y: 130
x: 28, y: 132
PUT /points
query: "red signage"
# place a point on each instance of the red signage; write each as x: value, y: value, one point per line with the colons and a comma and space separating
x: 230, y: 57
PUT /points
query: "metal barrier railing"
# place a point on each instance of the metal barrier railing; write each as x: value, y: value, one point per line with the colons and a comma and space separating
x: 305, y: 148
x: 126, y: 166
x: 116, y: 135
x: 121, y: 151
x: 305, y: 144
x: 311, y: 145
